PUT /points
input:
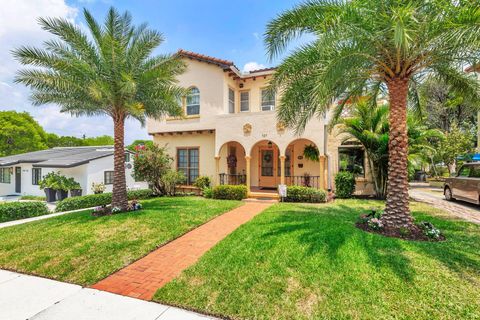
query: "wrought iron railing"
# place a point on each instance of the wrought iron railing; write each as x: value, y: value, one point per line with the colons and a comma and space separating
x: 233, y: 179
x: 304, y: 181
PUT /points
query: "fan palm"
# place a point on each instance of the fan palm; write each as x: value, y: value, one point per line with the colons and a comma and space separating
x: 109, y: 71
x: 361, y: 45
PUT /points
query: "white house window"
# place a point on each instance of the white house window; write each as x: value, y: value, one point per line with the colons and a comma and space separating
x: 36, y: 176
x: 108, y: 177
x: 244, y: 101
x: 193, y: 102
x: 268, y: 100
x: 127, y: 156
x: 5, y: 176
x: 231, y: 101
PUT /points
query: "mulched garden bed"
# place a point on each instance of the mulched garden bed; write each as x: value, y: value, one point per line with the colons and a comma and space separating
x: 415, y: 233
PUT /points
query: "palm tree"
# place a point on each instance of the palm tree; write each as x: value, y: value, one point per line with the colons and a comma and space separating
x: 373, y: 44
x: 367, y: 123
x: 109, y: 71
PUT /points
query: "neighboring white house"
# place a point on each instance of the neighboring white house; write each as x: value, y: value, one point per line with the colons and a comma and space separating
x: 20, y: 174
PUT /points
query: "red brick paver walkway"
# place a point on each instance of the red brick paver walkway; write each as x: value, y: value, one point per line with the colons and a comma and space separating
x: 142, y: 278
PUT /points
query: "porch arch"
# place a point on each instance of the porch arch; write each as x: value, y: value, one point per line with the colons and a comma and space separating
x: 231, y: 163
x: 305, y: 172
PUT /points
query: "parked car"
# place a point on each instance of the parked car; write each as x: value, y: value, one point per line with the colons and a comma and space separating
x: 466, y: 185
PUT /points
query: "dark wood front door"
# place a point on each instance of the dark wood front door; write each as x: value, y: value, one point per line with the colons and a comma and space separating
x: 18, y: 180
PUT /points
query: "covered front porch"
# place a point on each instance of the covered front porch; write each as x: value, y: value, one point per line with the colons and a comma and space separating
x: 265, y: 165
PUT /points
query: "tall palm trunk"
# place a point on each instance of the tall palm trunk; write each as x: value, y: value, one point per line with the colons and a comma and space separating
x: 397, y: 212
x: 119, y: 196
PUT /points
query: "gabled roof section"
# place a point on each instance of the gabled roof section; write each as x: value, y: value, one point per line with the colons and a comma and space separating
x: 226, y: 65
x: 62, y: 157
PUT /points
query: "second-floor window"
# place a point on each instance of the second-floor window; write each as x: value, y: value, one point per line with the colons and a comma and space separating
x: 244, y: 101
x: 193, y: 102
x: 231, y: 101
x: 268, y: 100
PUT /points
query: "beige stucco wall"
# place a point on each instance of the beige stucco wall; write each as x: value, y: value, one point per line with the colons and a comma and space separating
x: 205, y: 143
x: 210, y: 80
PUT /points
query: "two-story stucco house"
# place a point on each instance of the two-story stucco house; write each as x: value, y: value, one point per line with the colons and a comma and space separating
x: 230, y: 132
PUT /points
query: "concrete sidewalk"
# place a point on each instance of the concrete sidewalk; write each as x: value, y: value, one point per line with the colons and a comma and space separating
x: 28, y: 297
x: 46, y: 216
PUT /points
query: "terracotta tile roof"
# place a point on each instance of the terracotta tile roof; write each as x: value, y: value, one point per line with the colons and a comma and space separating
x: 473, y: 68
x: 205, y: 58
x: 263, y: 70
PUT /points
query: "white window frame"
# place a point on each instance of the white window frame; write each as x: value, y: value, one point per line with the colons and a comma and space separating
x: 7, y: 174
x: 36, y: 183
x: 266, y: 107
x: 190, y: 94
x: 231, y: 100
x: 105, y: 182
x: 247, y: 92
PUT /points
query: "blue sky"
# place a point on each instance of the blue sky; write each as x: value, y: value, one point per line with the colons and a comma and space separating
x: 231, y: 30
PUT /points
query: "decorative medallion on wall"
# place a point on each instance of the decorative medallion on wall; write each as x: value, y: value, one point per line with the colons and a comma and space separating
x: 280, y: 127
x: 247, y: 128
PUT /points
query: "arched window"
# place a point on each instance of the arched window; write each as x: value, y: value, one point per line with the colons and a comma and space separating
x: 193, y: 101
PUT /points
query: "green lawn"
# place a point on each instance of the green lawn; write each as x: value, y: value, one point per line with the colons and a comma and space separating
x: 83, y: 249
x: 310, y: 262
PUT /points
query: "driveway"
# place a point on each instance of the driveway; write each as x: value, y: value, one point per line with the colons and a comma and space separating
x: 28, y: 297
x: 424, y: 193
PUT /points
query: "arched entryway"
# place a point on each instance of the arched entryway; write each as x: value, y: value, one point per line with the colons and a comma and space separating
x: 304, y: 164
x: 265, y: 166
x: 232, y: 165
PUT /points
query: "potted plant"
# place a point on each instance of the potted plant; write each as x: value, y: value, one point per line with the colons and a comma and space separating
x: 61, y: 185
x: 310, y: 152
x: 74, y: 187
x: 98, y: 188
x: 48, y: 184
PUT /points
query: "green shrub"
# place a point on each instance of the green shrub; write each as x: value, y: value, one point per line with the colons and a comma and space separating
x: 94, y: 200
x: 139, y: 194
x: 228, y: 192
x: 305, y: 194
x: 202, y: 182
x: 19, y: 210
x: 170, y: 180
x: 344, y: 184
x: 36, y: 198
x: 207, y: 192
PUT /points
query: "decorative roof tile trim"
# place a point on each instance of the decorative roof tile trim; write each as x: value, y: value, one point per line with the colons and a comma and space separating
x: 205, y: 58
x: 263, y: 70
x: 473, y: 68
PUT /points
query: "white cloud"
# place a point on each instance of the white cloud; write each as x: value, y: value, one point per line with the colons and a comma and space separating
x: 19, y: 27
x: 250, y: 66
x: 256, y: 35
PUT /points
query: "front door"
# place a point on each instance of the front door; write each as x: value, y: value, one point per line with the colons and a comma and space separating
x: 18, y: 180
x: 268, y: 168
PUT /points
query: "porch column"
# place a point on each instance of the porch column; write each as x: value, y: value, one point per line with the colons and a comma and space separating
x: 217, y: 170
x: 247, y: 166
x: 323, y: 184
x: 282, y: 169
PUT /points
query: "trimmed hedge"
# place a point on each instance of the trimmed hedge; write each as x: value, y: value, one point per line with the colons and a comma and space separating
x: 95, y: 200
x: 10, y: 211
x: 344, y: 184
x: 305, y: 194
x: 229, y: 192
